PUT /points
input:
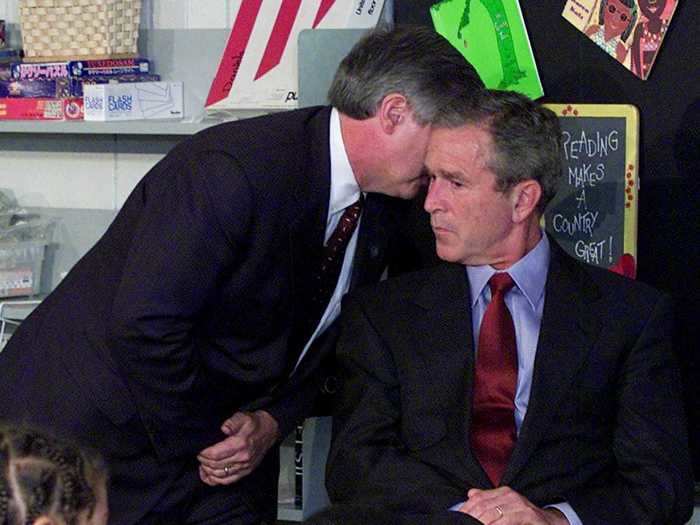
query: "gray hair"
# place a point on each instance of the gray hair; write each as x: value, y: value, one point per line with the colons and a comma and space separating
x: 414, y: 61
x: 526, y: 140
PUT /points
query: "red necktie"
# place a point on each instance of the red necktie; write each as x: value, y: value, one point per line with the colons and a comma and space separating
x: 493, y: 413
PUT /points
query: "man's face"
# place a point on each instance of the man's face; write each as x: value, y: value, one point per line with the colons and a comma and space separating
x: 401, y: 172
x: 472, y: 221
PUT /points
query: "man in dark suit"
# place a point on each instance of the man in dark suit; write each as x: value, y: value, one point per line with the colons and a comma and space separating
x: 525, y: 388
x: 188, y: 341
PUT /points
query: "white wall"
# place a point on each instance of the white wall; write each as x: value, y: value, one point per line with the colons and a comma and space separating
x: 76, y: 175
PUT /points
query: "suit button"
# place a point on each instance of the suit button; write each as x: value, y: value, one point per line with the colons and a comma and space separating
x: 330, y: 385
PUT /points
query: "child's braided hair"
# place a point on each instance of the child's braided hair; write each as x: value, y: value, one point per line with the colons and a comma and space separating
x: 42, y: 475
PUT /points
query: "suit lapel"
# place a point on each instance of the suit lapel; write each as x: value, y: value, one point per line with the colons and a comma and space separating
x: 569, y: 326
x: 372, y: 242
x: 446, y: 347
x: 310, y: 209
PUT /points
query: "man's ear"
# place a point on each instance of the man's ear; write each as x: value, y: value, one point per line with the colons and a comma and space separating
x: 525, y: 197
x: 393, y: 110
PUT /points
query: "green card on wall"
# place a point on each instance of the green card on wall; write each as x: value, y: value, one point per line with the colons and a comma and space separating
x: 491, y: 34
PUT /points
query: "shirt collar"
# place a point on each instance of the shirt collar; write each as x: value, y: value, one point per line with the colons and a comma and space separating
x: 529, y: 274
x: 344, y: 188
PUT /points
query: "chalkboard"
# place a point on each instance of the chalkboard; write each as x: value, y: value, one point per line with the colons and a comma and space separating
x: 594, y: 214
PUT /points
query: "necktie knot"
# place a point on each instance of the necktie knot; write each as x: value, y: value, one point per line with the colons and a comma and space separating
x: 501, y: 283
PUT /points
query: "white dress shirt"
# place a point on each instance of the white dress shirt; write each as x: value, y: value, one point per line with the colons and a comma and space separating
x: 344, y: 192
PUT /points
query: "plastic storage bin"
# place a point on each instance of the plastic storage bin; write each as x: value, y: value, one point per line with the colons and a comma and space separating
x: 20, y: 268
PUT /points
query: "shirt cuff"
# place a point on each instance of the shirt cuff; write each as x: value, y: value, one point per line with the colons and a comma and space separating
x: 568, y: 511
x: 457, y: 506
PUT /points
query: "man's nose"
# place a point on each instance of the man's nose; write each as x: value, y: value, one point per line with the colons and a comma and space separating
x: 432, y: 199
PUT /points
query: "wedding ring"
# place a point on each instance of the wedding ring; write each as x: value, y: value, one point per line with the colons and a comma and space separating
x: 500, y: 511
x: 227, y: 468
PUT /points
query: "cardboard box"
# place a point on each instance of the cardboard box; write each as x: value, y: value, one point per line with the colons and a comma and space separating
x: 142, y: 100
x: 37, y: 88
x: 109, y: 66
x: 29, y: 70
x: 41, y: 108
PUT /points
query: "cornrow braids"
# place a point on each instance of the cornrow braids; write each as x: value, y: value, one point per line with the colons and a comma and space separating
x: 5, y: 493
x: 45, y: 476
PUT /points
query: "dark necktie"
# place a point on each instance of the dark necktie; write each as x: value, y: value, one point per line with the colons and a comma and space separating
x: 492, y: 431
x: 325, y: 276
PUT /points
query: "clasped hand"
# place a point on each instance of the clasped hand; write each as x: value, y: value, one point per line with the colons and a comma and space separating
x: 504, y: 506
x: 249, y: 435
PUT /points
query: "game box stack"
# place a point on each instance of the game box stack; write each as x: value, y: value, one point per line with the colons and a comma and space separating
x: 54, y: 90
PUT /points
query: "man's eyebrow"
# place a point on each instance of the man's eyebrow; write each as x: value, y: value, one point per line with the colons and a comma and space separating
x: 450, y: 175
x: 458, y: 175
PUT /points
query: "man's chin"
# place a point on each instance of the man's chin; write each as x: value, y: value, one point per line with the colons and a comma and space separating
x: 445, y: 253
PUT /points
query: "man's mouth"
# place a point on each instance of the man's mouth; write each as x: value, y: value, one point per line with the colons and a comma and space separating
x: 440, y: 229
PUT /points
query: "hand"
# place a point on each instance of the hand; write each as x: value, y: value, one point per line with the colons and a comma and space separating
x: 250, y: 436
x: 506, y: 507
x: 621, y: 52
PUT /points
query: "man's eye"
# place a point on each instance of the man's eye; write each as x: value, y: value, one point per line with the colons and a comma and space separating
x: 456, y: 184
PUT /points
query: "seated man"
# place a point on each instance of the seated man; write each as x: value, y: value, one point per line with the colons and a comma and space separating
x: 512, y: 383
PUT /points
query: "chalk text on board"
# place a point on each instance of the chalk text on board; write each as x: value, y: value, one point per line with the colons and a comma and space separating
x: 593, y: 145
x: 579, y: 223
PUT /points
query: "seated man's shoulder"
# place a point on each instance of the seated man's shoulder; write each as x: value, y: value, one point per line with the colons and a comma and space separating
x: 620, y: 289
x: 402, y: 287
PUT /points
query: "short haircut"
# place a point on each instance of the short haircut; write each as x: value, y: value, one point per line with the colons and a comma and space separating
x: 414, y: 61
x: 42, y: 475
x: 526, y: 140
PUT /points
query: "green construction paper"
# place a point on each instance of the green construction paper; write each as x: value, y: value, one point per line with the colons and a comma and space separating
x: 491, y: 34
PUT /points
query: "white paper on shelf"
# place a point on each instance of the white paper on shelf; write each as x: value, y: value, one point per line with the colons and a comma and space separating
x: 258, y: 68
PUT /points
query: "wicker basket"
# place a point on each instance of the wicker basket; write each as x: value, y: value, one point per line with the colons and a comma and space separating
x: 70, y: 29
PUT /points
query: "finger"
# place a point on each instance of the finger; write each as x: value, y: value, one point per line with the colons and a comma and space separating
x: 496, y: 514
x: 222, y: 450
x: 205, y: 477
x: 242, y: 458
x: 228, y: 480
x: 226, y: 471
x: 480, y: 502
x: 235, y: 423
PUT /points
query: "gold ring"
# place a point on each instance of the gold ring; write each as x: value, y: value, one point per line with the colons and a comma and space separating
x: 500, y: 511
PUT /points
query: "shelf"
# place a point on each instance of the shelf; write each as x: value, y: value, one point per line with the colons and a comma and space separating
x: 136, y: 127
x: 188, y: 55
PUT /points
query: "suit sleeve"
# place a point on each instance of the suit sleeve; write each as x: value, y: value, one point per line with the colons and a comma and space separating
x: 194, y: 215
x: 653, y: 482
x: 368, y: 463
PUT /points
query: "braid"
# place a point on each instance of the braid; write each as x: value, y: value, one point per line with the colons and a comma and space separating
x: 4, y: 480
x: 50, y: 477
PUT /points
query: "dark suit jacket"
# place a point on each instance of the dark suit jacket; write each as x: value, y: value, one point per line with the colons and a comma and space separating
x: 604, y: 428
x: 188, y: 308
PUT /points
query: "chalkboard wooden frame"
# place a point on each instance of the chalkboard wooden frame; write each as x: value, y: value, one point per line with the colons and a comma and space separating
x: 628, y: 262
